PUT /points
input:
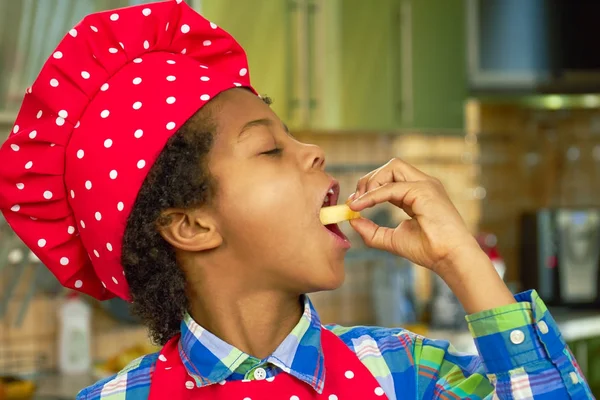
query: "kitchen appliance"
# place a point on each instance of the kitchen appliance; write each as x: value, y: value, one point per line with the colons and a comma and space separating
x: 560, y: 256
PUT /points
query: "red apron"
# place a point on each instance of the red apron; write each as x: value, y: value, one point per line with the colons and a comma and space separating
x: 346, y: 378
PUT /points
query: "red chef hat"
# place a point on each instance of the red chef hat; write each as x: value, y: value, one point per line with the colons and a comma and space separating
x: 104, y: 105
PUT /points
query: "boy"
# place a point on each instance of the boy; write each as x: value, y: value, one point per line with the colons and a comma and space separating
x: 144, y: 165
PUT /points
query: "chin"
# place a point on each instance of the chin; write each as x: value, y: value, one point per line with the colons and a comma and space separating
x: 332, y: 280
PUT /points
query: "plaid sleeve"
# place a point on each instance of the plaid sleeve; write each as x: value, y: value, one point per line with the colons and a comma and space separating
x: 522, y: 356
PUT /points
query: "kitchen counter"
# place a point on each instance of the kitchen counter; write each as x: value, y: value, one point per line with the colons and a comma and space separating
x: 62, y: 387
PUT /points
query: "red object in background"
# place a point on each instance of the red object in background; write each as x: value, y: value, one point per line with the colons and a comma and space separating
x: 489, y: 244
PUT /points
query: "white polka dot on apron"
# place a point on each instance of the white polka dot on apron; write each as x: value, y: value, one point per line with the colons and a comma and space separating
x: 349, y: 374
x: 379, y: 391
x: 189, y: 385
x: 162, y: 358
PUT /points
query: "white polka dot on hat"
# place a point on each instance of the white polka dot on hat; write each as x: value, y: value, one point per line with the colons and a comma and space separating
x: 106, y: 101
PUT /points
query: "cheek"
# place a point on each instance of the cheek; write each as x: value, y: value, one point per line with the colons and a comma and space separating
x: 269, y: 209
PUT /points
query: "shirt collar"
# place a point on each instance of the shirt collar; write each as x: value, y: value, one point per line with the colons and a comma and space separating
x: 209, y: 359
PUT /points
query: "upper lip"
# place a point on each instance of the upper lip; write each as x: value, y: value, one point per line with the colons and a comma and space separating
x: 334, y: 187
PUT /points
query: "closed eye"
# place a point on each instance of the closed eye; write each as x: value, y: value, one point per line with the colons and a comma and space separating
x: 275, y: 152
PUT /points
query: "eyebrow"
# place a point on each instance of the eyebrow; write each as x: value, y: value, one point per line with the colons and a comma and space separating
x: 257, y: 122
x: 260, y: 122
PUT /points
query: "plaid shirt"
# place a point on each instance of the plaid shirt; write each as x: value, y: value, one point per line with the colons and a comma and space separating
x: 522, y: 356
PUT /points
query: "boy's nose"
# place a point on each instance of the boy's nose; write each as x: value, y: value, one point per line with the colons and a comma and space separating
x: 315, y: 157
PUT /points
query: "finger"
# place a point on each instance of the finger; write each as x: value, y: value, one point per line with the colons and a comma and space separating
x: 375, y: 236
x: 400, y: 194
x: 361, y: 185
x: 395, y: 170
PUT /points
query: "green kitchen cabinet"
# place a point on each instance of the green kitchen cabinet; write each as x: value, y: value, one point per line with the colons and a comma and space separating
x: 263, y: 29
x: 438, y: 64
x: 354, y: 64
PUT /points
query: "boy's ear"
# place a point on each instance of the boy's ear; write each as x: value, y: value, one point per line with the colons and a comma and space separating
x: 190, y: 230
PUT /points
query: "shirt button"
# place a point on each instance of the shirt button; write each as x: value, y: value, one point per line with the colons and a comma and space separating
x: 574, y: 377
x: 543, y: 327
x: 517, y: 336
x: 260, y: 374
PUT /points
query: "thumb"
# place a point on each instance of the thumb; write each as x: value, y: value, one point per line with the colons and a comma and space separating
x: 375, y: 236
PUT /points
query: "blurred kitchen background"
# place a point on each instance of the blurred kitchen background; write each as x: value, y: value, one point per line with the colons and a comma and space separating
x: 500, y: 99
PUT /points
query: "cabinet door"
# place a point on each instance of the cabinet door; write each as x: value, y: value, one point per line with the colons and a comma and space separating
x: 438, y: 64
x: 369, y: 50
x: 264, y: 29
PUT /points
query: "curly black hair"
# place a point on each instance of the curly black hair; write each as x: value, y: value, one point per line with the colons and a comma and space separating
x: 179, y: 178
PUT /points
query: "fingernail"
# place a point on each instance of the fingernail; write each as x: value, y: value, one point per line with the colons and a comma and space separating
x: 350, y: 199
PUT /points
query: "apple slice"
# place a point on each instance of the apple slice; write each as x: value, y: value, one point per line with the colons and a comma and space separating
x: 335, y: 214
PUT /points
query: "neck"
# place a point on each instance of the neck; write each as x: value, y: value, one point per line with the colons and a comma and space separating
x: 254, y: 322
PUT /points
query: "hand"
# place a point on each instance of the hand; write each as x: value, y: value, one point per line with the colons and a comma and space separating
x: 435, y: 237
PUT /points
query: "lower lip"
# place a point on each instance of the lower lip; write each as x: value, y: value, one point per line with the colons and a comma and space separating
x: 340, y: 239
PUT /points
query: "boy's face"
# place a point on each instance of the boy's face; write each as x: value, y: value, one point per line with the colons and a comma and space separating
x: 270, y: 188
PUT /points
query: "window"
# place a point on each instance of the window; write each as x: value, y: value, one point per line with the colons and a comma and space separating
x: 29, y: 31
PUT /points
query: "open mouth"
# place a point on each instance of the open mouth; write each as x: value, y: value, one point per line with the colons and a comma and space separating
x: 331, y: 199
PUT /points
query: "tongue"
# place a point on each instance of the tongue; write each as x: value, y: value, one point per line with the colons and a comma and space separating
x: 336, y: 229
